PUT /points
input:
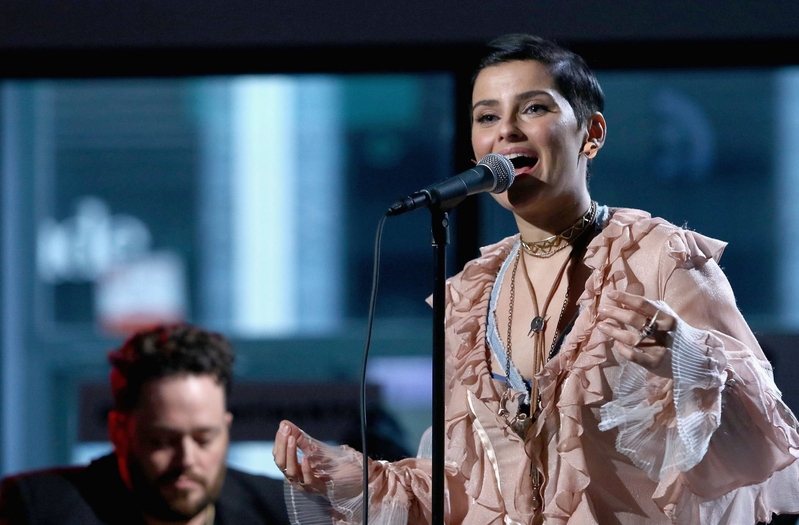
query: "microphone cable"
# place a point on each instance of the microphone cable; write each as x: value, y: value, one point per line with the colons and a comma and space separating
x: 370, y: 323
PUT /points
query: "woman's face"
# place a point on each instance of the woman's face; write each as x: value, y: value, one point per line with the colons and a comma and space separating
x: 517, y: 112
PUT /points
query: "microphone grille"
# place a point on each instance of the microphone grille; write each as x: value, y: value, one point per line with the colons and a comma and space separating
x: 502, y: 169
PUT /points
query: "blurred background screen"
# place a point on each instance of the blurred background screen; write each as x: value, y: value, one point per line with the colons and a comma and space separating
x: 249, y: 204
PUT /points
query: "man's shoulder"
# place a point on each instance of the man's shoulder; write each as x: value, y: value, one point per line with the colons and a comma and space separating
x: 94, y: 494
x: 253, y: 480
x: 55, y: 481
x: 251, y: 498
x: 85, y: 493
x: 27, y: 489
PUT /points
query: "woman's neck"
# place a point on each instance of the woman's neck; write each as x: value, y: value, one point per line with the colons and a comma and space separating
x: 536, y: 227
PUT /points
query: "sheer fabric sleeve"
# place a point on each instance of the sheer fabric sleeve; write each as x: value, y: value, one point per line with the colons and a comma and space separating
x: 720, y: 423
x: 667, y: 424
x: 399, y: 492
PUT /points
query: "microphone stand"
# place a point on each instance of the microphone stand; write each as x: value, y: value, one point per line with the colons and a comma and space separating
x: 440, y: 234
x: 493, y: 173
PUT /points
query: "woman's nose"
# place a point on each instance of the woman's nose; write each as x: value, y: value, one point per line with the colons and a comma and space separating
x: 509, y: 129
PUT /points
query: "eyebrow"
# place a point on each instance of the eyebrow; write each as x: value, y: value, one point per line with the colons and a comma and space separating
x: 519, y: 97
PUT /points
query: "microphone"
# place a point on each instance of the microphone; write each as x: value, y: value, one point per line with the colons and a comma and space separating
x: 493, y: 173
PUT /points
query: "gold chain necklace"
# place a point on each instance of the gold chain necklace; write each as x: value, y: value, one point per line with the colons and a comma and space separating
x: 551, y: 245
x: 521, y: 421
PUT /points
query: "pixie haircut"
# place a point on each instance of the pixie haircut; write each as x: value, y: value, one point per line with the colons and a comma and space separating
x: 573, y: 78
x: 163, y: 351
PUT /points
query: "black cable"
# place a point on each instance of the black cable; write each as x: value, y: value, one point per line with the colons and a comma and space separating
x: 370, y: 323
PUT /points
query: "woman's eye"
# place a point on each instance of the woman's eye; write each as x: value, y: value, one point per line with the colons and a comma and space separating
x: 486, y: 119
x: 535, y: 108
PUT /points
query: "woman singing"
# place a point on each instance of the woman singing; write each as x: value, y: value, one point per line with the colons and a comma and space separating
x: 599, y: 371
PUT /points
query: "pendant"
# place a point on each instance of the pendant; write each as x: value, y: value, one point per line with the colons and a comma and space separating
x: 537, y: 324
x: 519, y: 423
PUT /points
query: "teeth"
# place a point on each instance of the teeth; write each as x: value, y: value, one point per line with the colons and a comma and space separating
x: 511, y: 156
x: 521, y: 160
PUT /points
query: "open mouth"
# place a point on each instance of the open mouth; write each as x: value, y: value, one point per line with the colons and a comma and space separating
x: 522, y: 161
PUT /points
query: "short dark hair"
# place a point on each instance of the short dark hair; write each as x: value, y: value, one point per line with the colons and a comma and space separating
x: 573, y: 78
x: 164, y: 351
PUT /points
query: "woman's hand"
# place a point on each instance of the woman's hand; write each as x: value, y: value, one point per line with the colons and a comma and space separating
x: 643, y: 329
x: 300, y: 474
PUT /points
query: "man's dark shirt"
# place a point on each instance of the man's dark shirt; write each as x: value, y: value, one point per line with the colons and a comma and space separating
x: 96, y: 495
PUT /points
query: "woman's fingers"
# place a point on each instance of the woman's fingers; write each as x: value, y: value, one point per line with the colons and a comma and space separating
x: 279, y: 448
x: 637, y: 311
x: 289, y: 443
x: 622, y: 316
x: 653, y: 356
x: 612, y: 330
x: 642, y: 327
x: 629, y: 300
x: 293, y: 469
x: 285, y: 450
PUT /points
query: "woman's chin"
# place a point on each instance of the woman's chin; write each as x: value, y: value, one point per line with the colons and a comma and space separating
x: 524, y: 191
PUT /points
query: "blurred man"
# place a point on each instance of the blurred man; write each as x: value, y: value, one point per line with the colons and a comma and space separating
x: 170, y: 431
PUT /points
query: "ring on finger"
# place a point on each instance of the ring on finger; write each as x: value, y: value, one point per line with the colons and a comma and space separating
x: 294, y: 480
x: 648, y: 328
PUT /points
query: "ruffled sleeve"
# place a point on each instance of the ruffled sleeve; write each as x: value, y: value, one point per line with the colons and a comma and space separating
x: 714, y: 436
x: 665, y: 425
x: 400, y: 492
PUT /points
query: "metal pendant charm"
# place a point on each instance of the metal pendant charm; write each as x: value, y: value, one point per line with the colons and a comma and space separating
x: 537, y: 324
x: 520, y: 422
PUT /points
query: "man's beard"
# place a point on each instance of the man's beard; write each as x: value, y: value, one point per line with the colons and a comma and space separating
x: 152, y: 501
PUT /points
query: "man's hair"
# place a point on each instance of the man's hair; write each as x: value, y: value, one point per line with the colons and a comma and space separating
x: 163, y: 351
x: 573, y: 78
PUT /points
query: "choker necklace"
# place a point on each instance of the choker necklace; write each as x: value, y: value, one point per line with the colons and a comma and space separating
x: 552, y: 245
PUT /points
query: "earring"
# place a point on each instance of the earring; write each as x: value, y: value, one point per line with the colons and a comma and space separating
x: 590, y: 149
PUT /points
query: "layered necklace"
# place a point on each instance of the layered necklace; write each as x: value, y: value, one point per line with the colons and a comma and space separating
x: 522, y: 420
x: 551, y: 245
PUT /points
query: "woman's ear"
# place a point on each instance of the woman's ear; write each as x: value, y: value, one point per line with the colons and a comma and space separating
x: 595, y: 135
x: 597, y: 129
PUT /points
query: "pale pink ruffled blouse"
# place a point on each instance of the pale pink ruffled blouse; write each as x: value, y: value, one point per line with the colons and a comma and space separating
x: 616, y: 445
